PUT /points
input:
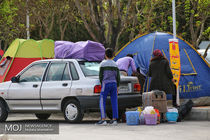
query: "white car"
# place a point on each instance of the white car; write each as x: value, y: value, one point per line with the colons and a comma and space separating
x: 62, y: 85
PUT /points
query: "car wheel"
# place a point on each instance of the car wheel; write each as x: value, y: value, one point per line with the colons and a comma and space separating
x: 3, y: 112
x: 42, y: 116
x: 72, y: 111
x: 121, y: 112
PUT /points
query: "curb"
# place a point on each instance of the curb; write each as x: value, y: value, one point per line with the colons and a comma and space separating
x: 199, y: 114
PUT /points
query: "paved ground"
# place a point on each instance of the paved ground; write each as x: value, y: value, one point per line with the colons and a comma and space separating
x: 199, y: 113
x: 186, y: 130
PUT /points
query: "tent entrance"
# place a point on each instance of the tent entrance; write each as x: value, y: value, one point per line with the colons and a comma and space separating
x: 190, y: 70
x: 187, y: 67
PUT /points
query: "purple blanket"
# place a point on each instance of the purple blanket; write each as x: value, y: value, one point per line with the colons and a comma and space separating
x: 88, y: 50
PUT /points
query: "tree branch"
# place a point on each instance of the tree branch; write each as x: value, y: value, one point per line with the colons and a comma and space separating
x: 191, y: 24
x: 101, y: 21
x: 126, y: 15
x: 119, y: 14
x: 205, y: 53
x: 93, y: 15
x: 110, y: 22
x: 201, y: 31
x: 84, y: 20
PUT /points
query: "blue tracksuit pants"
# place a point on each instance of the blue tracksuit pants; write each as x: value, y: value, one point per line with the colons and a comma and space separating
x: 109, y: 88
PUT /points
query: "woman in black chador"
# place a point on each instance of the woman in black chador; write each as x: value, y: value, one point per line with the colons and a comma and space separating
x: 161, y: 75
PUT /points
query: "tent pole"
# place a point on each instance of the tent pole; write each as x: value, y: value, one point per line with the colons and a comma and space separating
x: 27, y: 21
x: 174, y: 18
x: 174, y: 37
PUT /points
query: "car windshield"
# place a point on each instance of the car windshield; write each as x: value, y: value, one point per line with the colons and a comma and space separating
x: 90, y: 68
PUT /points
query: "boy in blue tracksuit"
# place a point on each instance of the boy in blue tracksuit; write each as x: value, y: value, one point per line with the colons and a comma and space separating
x: 110, y: 78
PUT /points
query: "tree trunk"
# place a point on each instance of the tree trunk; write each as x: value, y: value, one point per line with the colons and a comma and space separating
x: 205, y: 53
x: 5, y: 46
x: 0, y: 44
x: 63, y: 30
x: 115, y: 19
x: 85, y: 22
x: 49, y: 29
x: 40, y: 31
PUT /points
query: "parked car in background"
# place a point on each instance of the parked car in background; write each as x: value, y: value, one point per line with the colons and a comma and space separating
x: 62, y: 85
x: 202, y: 51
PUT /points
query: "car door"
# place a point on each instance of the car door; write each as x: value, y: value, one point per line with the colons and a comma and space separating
x: 56, y: 85
x: 25, y: 94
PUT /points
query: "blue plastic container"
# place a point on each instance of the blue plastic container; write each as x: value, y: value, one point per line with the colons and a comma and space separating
x: 172, y: 116
x: 132, y: 117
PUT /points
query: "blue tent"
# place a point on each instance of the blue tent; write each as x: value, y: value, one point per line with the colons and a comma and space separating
x: 195, y: 71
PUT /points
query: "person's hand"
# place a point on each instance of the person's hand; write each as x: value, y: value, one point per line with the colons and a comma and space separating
x: 117, y: 90
x: 134, y: 73
x: 173, y: 80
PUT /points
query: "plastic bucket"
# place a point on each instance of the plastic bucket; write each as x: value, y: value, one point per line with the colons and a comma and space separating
x: 150, y: 119
x: 172, y: 116
x: 132, y: 117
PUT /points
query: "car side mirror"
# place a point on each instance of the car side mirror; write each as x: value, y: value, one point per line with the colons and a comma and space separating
x: 15, y: 80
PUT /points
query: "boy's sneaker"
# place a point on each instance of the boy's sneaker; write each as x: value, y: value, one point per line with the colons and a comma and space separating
x: 101, y: 122
x: 113, y: 122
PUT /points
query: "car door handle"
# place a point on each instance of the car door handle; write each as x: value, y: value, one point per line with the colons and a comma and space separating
x: 65, y: 84
x: 35, y: 85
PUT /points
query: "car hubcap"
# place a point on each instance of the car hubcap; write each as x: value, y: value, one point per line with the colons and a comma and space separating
x: 71, y: 112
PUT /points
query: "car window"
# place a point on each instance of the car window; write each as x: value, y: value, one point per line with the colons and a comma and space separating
x: 57, y: 72
x: 90, y: 68
x: 66, y: 75
x: 34, y: 73
x: 74, y: 73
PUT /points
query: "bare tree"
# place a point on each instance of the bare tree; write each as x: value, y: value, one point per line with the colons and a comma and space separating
x: 108, y: 19
x: 44, y: 15
x: 199, y: 14
x: 65, y: 15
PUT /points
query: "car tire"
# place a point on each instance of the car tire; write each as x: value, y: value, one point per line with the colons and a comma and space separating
x: 42, y: 116
x: 72, y: 111
x: 3, y: 112
x: 121, y: 112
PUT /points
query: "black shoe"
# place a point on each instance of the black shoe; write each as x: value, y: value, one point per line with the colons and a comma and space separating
x: 113, y: 122
x: 101, y: 122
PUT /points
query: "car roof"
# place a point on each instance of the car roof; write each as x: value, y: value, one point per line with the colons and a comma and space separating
x: 65, y: 60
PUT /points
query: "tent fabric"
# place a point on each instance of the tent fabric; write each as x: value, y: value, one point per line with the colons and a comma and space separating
x: 195, y: 71
x: 18, y: 65
x: 22, y: 53
x: 88, y: 50
x: 22, y: 48
x: 1, y: 52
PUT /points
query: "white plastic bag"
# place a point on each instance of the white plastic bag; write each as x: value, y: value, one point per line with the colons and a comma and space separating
x: 148, y: 110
